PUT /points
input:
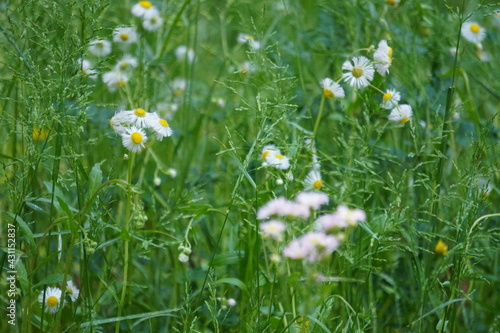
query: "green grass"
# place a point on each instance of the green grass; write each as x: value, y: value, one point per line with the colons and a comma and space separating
x: 117, y: 225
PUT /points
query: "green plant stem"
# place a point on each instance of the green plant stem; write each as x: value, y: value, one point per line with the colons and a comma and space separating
x: 318, y: 119
x: 126, y: 242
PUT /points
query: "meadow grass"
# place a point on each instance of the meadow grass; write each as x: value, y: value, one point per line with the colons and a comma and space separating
x: 174, y: 237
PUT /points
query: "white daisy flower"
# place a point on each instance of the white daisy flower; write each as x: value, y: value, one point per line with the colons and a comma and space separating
x: 359, y: 72
x: 182, y: 52
x: 272, y: 229
x: 331, y: 89
x: 482, y: 54
x: 313, y: 180
x: 52, y: 298
x: 134, y: 139
x: 383, y: 58
x: 86, y: 68
x: 278, y: 161
x: 312, y: 200
x: 248, y: 39
x: 390, y: 99
x: 126, y: 63
x: 296, y: 250
x: 351, y: 216
x: 152, y: 21
x: 331, y: 222
x: 72, y: 291
x: 401, y: 113
x: 160, y: 127
x: 100, y: 47
x: 138, y: 117
x: 179, y: 85
x: 246, y: 68
x: 269, y: 150
x: 313, y: 246
x: 473, y: 32
x: 142, y: 8
x: 124, y: 35
x: 272, y: 156
x: 282, y: 207
x: 114, y: 79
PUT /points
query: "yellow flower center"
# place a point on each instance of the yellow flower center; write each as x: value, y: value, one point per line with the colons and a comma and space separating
x: 404, y: 120
x: 441, y: 248
x: 153, y: 20
x: 390, y: 2
x: 163, y: 123
x: 140, y: 112
x: 52, y: 301
x: 136, y: 137
x: 124, y: 65
x: 328, y: 93
x: 177, y: 92
x: 317, y: 184
x: 121, y: 83
x: 124, y: 36
x: 475, y: 28
x: 264, y: 154
x: 387, y: 96
x: 389, y: 55
x: 145, y: 4
x: 357, y: 72
x: 279, y: 156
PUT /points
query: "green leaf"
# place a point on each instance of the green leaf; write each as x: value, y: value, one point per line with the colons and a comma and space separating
x: 22, y: 276
x: 227, y: 258
x: 95, y: 180
x: 24, y: 229
x: 71, y: 223
x: 52, y: 279
x: 235, y: 282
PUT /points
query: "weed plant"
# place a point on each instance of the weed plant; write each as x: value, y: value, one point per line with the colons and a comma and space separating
x: 237, y: 166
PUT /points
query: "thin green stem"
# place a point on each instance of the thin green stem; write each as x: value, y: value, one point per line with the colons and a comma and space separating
x: 318, y: 119
x: 126, y: 242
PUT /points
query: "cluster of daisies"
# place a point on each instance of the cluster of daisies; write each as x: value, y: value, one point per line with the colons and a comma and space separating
x: 358, y: 72
x: 131, y: 125
x: 124, y: 37
x: 51, y: 299
x: 327, y: 231
x: 273, y: 157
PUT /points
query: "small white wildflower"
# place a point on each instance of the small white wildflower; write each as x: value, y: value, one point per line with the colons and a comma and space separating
x: 134, y: 139
x: 142, y: 8
x: 332, y: 89
x: 401, y: 113
x: 100, y: 47
x: 390, y: 99
x: 473, y: 32
x: 126, y: 63
x: 52, y: 299
x: 359, y: 72
x: 272, y: 229
x: 125, y: 35
x: 86, y: 68
x: 114, y: 80
x: 72, y: 291
x: 313, y: 180
x: 182, y: 52
x: 152, y: 21
x: 383, y: 58
x: 312, y: 200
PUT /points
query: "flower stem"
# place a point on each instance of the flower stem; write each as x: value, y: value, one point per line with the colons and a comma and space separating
x: 316, y: 125
x: 126, y: 242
